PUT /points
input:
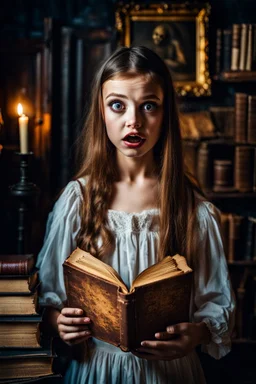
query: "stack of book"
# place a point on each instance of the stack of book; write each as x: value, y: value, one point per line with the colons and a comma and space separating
x: 24, y: 355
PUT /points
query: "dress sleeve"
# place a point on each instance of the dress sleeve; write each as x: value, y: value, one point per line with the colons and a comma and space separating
x: 62, y: 228
x: 214, y: 300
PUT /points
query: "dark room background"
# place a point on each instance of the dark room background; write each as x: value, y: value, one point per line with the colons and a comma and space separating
x: 50, y: 50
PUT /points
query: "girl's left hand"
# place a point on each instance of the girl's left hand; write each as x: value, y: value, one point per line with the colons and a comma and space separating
x: 178, y: 341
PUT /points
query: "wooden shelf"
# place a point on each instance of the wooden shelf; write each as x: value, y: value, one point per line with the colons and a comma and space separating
x: 236, y: 76
x: 230, y: 195
x: 243, y: 263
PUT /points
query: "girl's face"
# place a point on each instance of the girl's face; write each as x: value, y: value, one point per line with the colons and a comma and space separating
x: 133, y: 113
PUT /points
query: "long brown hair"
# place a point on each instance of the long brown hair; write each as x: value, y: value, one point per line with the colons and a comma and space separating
x: 97, y: 164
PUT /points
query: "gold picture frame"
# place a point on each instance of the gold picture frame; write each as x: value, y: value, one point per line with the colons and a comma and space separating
x: 178, y: 33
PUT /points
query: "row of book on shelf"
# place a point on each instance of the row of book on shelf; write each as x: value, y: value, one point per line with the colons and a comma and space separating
x: 24, y: 353
x: 236, y: 48
x: 239, y: 240
x: 245, y: 291
x: 222, y: 165
x: 239, y: 237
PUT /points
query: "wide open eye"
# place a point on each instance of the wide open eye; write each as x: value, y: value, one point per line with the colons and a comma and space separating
x: 117, y: 106
x: 149, y: 107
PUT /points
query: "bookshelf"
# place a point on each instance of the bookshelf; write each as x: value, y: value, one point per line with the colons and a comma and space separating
x: 236, y: 76
x: 230, y: 195
x: 229, y: 182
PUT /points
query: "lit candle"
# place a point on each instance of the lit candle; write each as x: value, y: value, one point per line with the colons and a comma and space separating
x: 23, y: 129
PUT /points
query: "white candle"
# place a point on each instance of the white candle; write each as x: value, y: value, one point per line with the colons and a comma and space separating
x: 23, y: 130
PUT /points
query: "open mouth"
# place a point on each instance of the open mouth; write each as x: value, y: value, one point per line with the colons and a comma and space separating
x: 133, y: 139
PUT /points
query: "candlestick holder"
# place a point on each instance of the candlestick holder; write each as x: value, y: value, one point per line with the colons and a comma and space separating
x: 25, y: 194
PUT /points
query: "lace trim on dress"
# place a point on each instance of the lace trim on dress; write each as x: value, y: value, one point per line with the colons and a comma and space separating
x: 121, y: 222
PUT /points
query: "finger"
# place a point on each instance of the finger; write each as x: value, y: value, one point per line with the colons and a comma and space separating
x: 70, y: 328
x: 155, y: 344
x: 72, y: 320
x: 66, y: 311
x: 165, y: 336
x: 75, y: 336
x: 177, y: 328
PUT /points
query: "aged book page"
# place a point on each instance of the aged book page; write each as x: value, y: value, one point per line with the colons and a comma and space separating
x: 169, y: 266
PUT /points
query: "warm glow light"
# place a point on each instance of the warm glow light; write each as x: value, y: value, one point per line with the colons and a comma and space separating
x: 20, y: 109
x: 23, y: 129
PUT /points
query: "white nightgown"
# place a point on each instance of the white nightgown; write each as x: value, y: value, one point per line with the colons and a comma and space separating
x: 136, y: 235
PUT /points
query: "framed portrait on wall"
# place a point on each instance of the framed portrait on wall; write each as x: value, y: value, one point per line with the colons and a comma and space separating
x: 176, y: 32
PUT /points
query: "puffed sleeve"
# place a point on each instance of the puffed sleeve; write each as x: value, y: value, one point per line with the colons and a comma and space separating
x: 62, y: 227
x: 214, y: 300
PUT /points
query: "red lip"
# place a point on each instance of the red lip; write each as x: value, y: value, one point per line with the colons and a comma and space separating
x: 134, y: 145
x: 133, y: 134
x: 131, y: 144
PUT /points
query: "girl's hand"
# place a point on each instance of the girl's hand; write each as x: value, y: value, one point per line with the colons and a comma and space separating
x: 72, y: 326
x: 178, y: 341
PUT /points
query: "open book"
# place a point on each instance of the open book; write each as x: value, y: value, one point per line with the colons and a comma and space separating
x: 158, y: 297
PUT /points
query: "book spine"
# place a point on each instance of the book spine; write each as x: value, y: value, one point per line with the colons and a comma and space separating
x: 14, y: 268
x: 248, y: 64
x: 251, y: 127
x: 253, y: 47
x: 218, y: 67
x: 244, y: 168
x: 243, y: 46
x: 227, y: 42
x: 241, y: 102
x: 235, y: 51
x: 204, y: 166
x: 127, y: 321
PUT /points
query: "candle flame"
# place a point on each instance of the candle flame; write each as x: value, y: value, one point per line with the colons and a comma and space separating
x: 20, y: 109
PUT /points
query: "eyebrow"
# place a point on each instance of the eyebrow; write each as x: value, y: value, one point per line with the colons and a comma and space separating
x: 146, y: 97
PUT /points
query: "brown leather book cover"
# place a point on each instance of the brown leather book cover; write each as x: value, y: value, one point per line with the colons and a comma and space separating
x: 17, y: 264
x: 241, y: 105
x: 251, y: 127
x: 204, y: 166
x: 125, y: 319
x: 244, y: 157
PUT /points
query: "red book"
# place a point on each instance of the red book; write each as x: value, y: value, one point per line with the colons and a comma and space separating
x: 17, y: 264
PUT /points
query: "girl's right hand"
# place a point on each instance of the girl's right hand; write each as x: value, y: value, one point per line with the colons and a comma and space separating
x: 73, y: 326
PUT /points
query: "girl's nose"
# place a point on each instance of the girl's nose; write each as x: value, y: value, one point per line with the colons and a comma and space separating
x: 133, y: 124
x: 133, y: 120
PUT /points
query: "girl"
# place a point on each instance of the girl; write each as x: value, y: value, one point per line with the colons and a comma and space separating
x: 130, y: 205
